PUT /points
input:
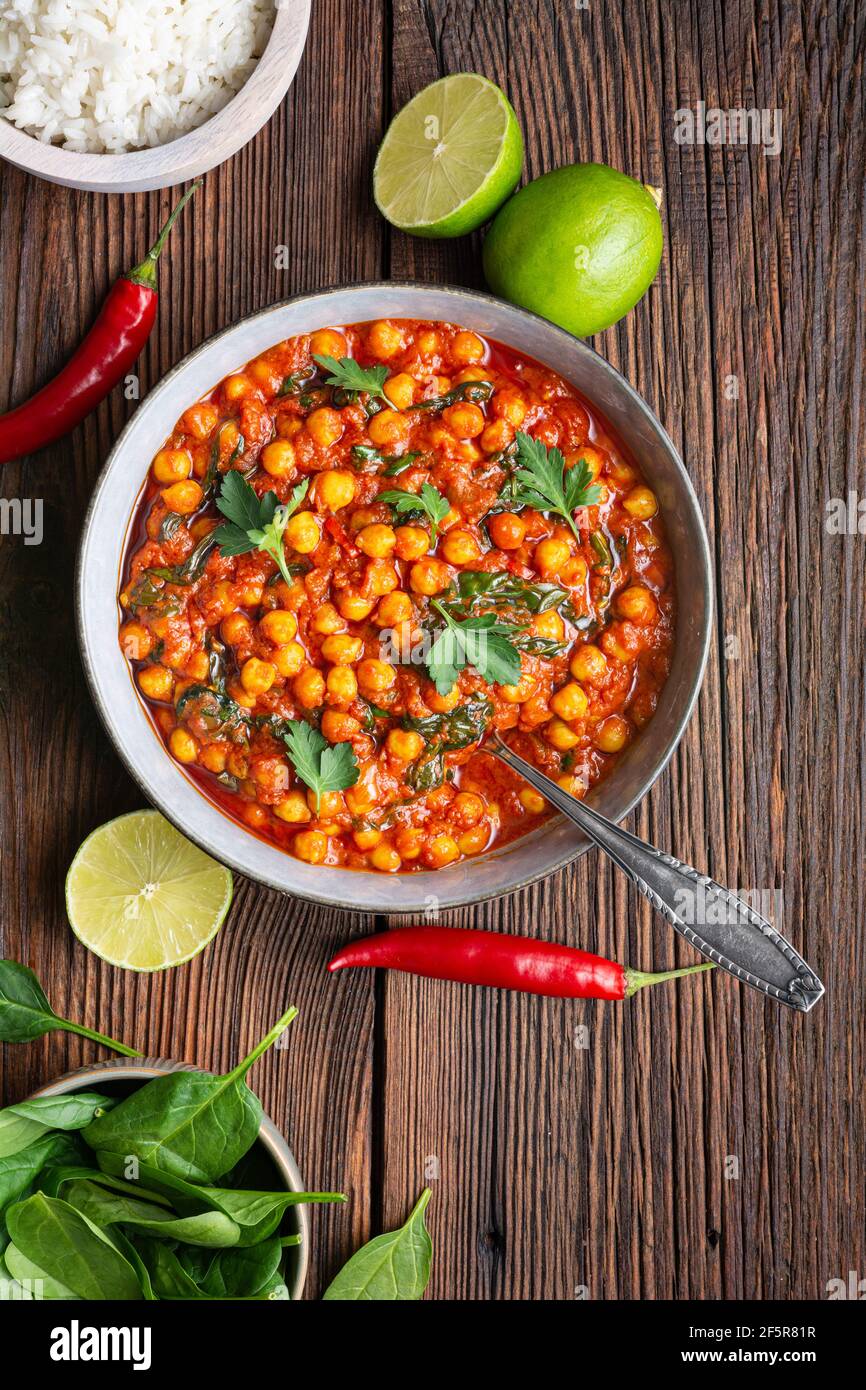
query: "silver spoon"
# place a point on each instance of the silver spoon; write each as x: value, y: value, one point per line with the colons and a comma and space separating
x: 736, y: 937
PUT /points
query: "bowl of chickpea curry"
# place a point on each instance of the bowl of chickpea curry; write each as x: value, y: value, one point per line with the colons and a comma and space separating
x: 348, y: 538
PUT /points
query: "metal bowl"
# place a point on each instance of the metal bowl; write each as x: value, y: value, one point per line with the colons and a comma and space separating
x: 121, y: 1074
x: 104, y: 543
x: 189, y: 155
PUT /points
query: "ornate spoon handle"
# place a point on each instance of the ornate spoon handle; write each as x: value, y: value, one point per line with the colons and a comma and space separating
x: 718, y: 923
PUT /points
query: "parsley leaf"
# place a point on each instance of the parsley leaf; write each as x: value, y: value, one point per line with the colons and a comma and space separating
x: 321, y: 766
x: 255, y: 523
x: 349, y: 376
x: 479, y: 641
x: 429, y: 502
x: 545, y: 484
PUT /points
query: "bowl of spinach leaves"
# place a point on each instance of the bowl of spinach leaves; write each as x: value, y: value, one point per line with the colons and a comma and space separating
x: 141, y: 1179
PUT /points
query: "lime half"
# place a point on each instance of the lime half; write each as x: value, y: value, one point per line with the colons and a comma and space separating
x: 141, y: 896
x: 449, y: 159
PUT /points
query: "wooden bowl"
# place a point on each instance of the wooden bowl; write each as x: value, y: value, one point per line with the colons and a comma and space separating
x: 191, y: 154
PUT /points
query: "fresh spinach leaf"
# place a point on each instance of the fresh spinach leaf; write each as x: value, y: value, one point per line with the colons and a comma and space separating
x: 32, y: 1276
x: 427, y: 772
x: 393, y: 1267
x: 18, y: 1132
x: 62, y: 1242
x: 191, y: 1124
x: 475, y: 391
x: 25, y: 1013
x: 62, y: 1112
x: 104, y: 1208
x: 237, y: 1273
x: 19, y: 1170
x: 458, y: 728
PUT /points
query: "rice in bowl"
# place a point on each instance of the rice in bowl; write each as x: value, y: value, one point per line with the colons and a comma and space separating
x: 108, y: 76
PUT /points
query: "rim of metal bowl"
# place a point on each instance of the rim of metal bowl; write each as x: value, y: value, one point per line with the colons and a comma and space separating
x: 191, y: 154
x: 145, y: 1069
x: 581, y: 845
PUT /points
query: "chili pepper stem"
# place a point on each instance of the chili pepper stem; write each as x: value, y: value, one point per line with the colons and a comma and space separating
x: 145, y: 272
x: 636, y: 979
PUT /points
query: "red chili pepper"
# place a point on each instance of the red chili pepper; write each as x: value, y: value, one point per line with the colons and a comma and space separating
x: 338, y: 532
x: 108, y: 350
x: 505, y: 962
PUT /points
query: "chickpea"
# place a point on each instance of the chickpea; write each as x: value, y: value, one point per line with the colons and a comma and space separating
x: 361, y: 517
x: 507, y: 530
x: 241, y: 697
x: 237, y: 386
x: 550, y: 556
x: 250, y: 594
x: 200, y: 419
x: 289, y: 660
x: 236, y: 630
x: 265, y: 375
x: 327, y: 342
x: 473, y: 841
x: 637, y: 604
x: 324, y: 426
x: 136, y: 642
x: 341, y: 649
x: 559, y: 735
x: 214, y: 757
x: 394, y: 608
x: 441, y: 704
x: 302, y: 532
x: 467, y: 809
x: 549, y: 624
x: 570, y: 702
x: 412, y: 542
x: 293, y: 808
x: 172, y: 465
x: 237, y: 763
x: 409, y: 841
x: 384, y: 339
x: 442, y: 850
x: 465, y: 420
x: 388, y: 428
x: 466, y: 348
x: 330, y: 804
x: 156, y: 682
x: 595, y: 459
x: 338, y: 727
x: 367, y: 839
x: 375, y: 675
x: 575, y: 786
x: 342, y: 683
x: 255, y: 816
x: 429, y: 577
x: 279, y: 626
x: 614, y: 646
x: 461, y: 548
x: 520, y: 693
x: 385, y: 859
x: 497, y: 436
x: 333, y: 490
x: 197, y: 667
x: 377, y: 541
x: 361, y: 798
x: 257, y: 677
x: 381, y: 578
x: 509, y: 405
x: 309, y: 687
x: 326, y: 620
x: 183, y: 498
x: 278, y: 458
x: 428, y: 343
x: 354, y: 607
x: 612, y: 734
x: 400, y: 390
x: 641, y: 503
x: 574, y: 571
x: 589, y: 664
x: 311, y: 846
x: 622, y: 473
x: 404, y: 744
x: 532, y: 801
x: 183, y: 746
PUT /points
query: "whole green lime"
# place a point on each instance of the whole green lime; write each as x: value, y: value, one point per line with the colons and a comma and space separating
x: 579, y: 246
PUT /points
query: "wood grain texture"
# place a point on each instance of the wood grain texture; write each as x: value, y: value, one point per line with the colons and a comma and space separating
x: 558, y: 1167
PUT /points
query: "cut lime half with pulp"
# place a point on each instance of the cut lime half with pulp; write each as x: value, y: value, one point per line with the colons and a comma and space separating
x: 449, y: 159
x: 141, y: 896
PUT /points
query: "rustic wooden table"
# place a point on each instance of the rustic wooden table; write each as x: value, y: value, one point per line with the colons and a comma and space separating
x: 704, y: 1144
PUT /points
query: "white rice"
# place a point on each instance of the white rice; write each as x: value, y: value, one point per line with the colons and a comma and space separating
x: 104, y: 76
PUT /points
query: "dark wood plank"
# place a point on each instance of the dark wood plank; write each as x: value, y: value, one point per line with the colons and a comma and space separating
x: 293, y: 185
x: 606, y: 1168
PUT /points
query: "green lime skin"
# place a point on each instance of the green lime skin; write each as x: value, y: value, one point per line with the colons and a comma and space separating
x: 579, y: 246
